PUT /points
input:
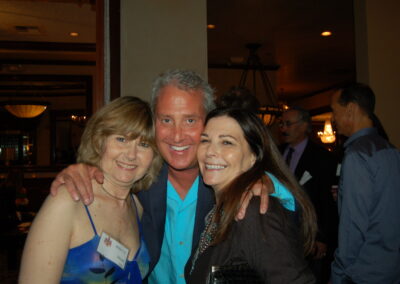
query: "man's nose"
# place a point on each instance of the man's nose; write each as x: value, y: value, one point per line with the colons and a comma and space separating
x: 282, y: 127
x: 177, y: 133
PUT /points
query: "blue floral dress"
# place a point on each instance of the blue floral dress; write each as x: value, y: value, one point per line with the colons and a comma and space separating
x: 85, y: 265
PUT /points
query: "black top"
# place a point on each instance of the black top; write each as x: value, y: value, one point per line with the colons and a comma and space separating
x: 267, y: 243
x: 321, y: 166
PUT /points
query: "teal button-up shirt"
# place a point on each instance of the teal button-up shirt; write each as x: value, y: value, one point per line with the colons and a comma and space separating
x: 177, y: 242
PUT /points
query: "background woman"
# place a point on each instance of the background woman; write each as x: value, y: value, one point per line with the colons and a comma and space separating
x: 236, y: 151
x: 65, y: 239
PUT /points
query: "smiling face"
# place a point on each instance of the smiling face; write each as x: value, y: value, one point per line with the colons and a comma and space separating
x: 223, y: 153
x: 125, y: 161
x: 179, y: 116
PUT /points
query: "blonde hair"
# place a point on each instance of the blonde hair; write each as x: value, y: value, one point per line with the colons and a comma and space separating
x: 127, y: 116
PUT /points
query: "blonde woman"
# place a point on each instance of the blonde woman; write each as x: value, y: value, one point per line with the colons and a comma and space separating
x: 101, y: 243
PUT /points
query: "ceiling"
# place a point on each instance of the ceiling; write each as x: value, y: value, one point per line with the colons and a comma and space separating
x: 288, y: 30
x: 39, y: 30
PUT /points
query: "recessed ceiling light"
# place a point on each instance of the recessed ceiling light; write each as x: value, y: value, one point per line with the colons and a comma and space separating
x: 210, y: 26
x: 326, y: 33
x: 74, y: 34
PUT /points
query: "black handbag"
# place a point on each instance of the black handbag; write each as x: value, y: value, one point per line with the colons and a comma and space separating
x: 233, y: 274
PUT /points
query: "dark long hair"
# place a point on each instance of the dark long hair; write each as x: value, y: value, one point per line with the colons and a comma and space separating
x: 268, y: 158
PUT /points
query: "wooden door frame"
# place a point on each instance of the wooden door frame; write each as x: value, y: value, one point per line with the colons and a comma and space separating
x: 113, y: 39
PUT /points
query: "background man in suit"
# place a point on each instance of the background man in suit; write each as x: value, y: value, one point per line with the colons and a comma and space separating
x: 315, y: 169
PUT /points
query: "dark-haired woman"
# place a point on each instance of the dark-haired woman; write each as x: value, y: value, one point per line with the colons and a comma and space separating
x: 236, y: 151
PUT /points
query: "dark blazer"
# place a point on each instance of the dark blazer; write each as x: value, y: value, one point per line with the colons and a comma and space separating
x: 321, y: 165
x: 268, y: 243
x: 154, y: 202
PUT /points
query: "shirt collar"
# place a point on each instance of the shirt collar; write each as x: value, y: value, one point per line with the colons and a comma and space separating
x: 299, y: 148
x: 360, y: 133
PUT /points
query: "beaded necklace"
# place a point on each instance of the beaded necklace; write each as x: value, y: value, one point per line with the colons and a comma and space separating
x: 207, y: 236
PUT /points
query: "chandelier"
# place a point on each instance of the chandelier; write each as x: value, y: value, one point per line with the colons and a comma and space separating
x: 23, y: 109
x: 328, y: 135
x: 268, y: 113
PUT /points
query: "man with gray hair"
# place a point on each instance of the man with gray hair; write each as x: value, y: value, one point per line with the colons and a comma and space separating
x: 315, y: 169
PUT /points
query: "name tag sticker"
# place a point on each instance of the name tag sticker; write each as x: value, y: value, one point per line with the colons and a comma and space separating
x: 339, y: 167
x: 306, y: 177
x: 113, y: 250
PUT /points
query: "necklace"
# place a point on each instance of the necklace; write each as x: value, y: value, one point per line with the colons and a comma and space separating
x: 206, y: 237
x: 113, y: 196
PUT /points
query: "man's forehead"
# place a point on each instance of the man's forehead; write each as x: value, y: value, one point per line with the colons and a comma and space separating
x: 335, y: 96
x: 290, y: 114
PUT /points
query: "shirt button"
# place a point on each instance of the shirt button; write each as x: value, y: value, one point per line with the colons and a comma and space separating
x: 181, y: 275
x: 181, y: 243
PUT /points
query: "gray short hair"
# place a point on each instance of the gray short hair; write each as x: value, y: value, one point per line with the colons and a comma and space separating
x: 185, y: 80
x: 304, y: 115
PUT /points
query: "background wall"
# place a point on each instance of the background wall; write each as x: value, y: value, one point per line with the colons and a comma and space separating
x: 159, y: 35
x: 56, y: 104
x: 378, y: 59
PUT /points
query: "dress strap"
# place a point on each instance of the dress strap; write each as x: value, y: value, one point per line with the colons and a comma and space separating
x: 91, y: 221
x: 142, y: 244
x: 137, y: 216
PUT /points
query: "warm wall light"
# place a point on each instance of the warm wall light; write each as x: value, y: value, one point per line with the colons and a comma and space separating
x: 81, y: 119
x: 74, y: 34
x: 25, y: 109
x: 328, y: 135
x: 326, y: 33
x: 210, y: 26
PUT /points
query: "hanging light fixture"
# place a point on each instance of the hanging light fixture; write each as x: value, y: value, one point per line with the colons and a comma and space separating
x: 269, y: 112
x: 24, y: 109
x: 328, y: 135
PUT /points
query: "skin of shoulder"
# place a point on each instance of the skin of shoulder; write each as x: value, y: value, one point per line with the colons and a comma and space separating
x: 48, y: 241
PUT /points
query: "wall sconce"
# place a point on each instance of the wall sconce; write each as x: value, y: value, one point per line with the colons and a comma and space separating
x: 23, y: 109
x: 79, y: 119
x: 328, y: 135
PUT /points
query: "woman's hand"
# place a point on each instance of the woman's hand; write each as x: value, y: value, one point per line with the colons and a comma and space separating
x: 261, y: 188
x: 320, y: 250
x: 77, y: 179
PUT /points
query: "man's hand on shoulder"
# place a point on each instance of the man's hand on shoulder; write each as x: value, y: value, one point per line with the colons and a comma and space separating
x: 77, y: 179
x: 261, y: 188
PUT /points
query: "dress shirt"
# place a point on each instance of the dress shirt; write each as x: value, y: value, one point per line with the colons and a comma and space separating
x: 177, y: 243
x: 368, y: 201
x: 296, y: 155
x: 283, y: 194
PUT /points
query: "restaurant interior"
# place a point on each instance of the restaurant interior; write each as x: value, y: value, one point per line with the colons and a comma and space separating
x: 61, y: 60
